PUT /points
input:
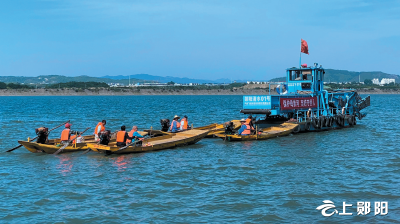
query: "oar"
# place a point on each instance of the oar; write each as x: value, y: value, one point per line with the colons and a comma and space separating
x: 36, y: 137
x: 135, y: 142
x: 71, y: 140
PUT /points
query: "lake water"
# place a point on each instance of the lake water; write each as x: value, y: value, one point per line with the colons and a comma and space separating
x: 281, y: 180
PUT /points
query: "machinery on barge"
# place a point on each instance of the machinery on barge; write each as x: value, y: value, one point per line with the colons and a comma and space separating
x: 303, y: 100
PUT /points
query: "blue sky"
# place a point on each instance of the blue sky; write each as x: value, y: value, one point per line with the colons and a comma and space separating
x: 196, y: 39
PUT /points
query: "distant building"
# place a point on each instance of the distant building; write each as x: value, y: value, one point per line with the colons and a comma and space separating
x: 385, y: 81
x: 376, y: 81
x: 255, y: 82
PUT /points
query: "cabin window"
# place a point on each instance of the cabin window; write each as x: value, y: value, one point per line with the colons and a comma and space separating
x: 300, y: 75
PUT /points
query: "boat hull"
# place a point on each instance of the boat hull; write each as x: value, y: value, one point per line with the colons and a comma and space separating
x: 51, y: 149
x: 218, y: 128
x: 154, y: 144
x: 271, y: 132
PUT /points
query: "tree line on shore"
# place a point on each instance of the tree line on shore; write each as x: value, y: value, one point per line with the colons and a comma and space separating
x: 80, y: 86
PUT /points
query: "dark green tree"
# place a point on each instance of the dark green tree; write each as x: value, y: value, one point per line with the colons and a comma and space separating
x: 368, y: 82
x: 3, y: 85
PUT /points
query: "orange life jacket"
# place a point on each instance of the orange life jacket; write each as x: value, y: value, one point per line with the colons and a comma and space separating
x: 247, y: 130
x: 185, y: 124
x: 101, y: 129
x: 130, y: 135
x: 65, y: 134
x: 178, y: 124
x: 248, y: 120
x: 73, y: 137
x: 121, y: 136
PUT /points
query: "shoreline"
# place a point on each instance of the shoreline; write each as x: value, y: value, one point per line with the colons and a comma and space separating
x: 156, y: 92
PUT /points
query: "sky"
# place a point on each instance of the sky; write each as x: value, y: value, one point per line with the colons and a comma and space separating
x: 250, y: 40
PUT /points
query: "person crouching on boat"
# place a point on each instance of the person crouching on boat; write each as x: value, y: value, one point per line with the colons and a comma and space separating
x: 135, y: 134
x: 66, y: 133
x: 42, y: 134
x: 175, y: 125
x: 100, y: 127
x: 105, y: 137
x: 245, y: 129
x: 184, y: 123
x: 122, y: 137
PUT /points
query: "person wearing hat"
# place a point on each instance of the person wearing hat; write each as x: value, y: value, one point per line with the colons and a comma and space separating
x: 175, y: 125
x: 245, y: 129
x: 66, y: 133
x: 184, y: 123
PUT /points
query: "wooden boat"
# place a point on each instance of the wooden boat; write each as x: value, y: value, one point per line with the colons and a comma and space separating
x: 54, y: 144
x: 169, y: 140
x: 218, y: 128
x: 267, y: 133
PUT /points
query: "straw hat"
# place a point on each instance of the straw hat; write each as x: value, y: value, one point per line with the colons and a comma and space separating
x: 243, y: 120
x: 176, y: 116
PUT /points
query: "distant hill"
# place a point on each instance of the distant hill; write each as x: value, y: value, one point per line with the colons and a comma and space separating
x: 166, y: 79
x: 333, y: 75
x: 53, y: 79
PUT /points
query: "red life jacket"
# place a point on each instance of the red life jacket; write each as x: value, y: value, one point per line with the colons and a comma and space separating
x: 65, y: 134
x: 247, y: 130
x: 101, y: 129
x: 121, y: 136
x: 130, y: 134
x: 185, y: 124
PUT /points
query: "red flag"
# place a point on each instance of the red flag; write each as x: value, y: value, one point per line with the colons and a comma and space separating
x: 304, y: 46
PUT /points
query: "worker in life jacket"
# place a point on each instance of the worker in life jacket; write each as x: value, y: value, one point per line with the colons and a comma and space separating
x: 66, y: 133
x: 249, y: 121
x: 122, y: 136
x: 245, y: 129
x: 133, y: 133
x: 100, y: 127
x: 42, y: 134
x: 184, y: 123
x: 175, y: 125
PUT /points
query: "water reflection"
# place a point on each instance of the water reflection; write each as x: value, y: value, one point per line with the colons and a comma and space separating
x: 65, y: 164
x: 121, y: 162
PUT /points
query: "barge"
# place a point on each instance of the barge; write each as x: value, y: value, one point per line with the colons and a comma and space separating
x: 303, y: 100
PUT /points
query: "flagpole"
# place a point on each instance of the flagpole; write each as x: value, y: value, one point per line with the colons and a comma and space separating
x: 300, y: 60
x: 300, y: 56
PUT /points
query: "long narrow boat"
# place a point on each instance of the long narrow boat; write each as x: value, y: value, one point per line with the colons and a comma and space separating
x: 218, y: 128
x: 54, y: 144
x: 167, y: 141
x: 267, y: 133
